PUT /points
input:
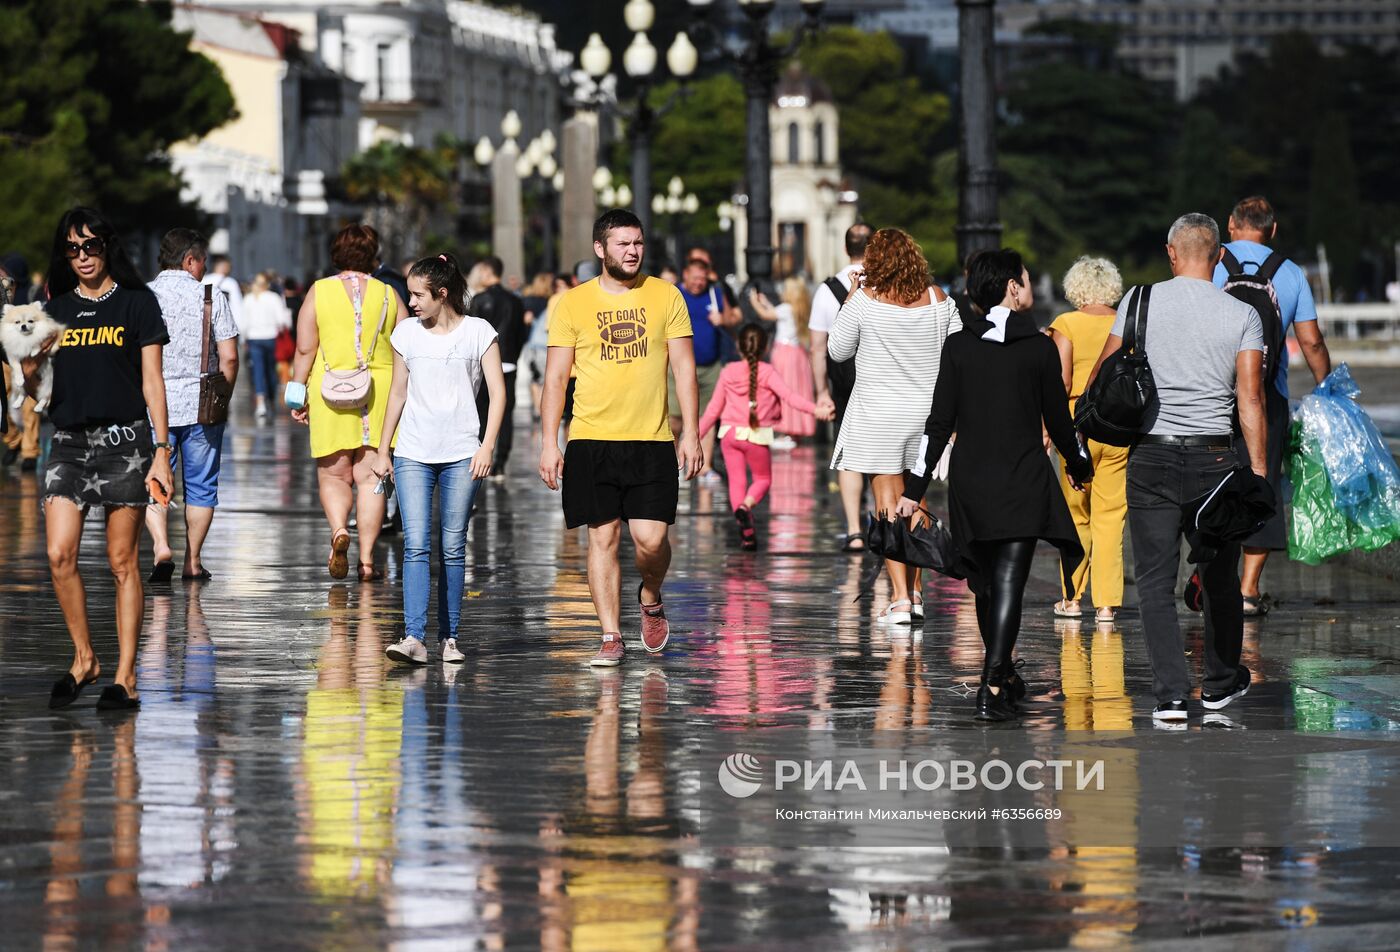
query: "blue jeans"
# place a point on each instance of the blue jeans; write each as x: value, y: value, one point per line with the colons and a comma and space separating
x: 199, y: 451
x: 262, y: 354
x: 414, y: 483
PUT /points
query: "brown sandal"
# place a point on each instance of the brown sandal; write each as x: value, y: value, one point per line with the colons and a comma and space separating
x: 339, y: 563
x: 370, y: 573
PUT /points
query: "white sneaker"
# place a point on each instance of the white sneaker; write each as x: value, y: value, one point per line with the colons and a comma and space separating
x: 408, y: 651
x: 451, y: 654
x: 784, y: 442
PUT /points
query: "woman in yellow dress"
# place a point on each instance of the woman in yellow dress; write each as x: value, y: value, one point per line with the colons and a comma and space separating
x: 1093, y: 286
x: 336, y: 329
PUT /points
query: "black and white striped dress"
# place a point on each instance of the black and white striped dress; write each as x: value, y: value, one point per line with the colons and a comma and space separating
x: 897, y: 351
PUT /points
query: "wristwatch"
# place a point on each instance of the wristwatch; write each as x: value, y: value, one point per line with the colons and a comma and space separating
x: 165, y: 446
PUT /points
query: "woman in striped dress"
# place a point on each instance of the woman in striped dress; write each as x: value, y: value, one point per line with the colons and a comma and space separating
x: 894, y: 323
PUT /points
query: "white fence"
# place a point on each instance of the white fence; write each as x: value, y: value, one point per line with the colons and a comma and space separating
x: 1360, y: 321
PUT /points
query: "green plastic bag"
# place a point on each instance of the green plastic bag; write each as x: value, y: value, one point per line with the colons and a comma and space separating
x: 1318, y: 529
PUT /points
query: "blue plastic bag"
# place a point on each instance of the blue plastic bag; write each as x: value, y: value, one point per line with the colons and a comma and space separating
x: 1365, y: 480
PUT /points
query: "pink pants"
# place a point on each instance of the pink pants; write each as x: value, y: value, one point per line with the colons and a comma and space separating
x: 738, y: 454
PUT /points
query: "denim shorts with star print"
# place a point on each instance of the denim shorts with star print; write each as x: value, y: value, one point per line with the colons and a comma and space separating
x: 100, y: 466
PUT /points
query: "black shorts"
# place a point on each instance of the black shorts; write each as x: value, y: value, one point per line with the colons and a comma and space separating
x: 620, y: 479
x: 1274, y: 533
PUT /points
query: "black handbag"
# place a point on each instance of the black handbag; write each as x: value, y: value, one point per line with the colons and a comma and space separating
x: 1113, y: 408
x: 929, y: 546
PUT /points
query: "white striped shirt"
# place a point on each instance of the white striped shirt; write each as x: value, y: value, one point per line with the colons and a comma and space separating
x: 897, y: 351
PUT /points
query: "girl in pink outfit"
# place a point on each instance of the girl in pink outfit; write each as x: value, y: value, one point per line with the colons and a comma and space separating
x: 747, y: 402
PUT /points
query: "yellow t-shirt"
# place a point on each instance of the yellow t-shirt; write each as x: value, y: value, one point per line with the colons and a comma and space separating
x: 1087, y: 333
x: 620, y: 357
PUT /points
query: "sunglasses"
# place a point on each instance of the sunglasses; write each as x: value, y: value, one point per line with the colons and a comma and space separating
x: 93, y: 248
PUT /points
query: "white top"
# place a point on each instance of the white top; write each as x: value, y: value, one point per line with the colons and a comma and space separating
x: 227, y: 284
x: 824, y: 303
x: 181, y: 300
x: 786, y: 332
x: 898, y: 351
x: 439, y: 422
x: 264, y: 314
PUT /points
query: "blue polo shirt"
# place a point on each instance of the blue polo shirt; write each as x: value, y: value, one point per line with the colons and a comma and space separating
x: 1295, y: 298
x: 707, y: 335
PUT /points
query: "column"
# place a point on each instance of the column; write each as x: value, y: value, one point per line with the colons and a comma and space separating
x: 979, y: 226
x: 577, y: 210
x: 508, y: 228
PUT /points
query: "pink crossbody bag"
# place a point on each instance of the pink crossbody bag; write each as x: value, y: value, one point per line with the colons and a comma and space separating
x: 352, y: 389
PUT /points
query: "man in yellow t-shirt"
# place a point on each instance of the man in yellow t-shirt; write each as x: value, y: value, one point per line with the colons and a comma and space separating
x: 620, y: 333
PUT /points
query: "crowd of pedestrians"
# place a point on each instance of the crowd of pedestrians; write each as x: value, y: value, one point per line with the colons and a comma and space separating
x: 407, y: 382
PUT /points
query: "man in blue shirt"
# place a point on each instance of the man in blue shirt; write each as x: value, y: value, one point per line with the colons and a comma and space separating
x: 1252, y: 225
x: 705, y: 301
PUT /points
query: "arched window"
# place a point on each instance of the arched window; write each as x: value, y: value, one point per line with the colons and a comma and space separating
x: 819, y: 135
x: 793, y: 144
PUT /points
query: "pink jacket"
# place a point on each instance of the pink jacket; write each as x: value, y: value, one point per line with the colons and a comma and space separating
x: 730, y: 403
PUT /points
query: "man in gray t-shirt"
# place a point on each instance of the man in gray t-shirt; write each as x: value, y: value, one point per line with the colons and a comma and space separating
x: 1206, y: 350
x: 1194, y: 333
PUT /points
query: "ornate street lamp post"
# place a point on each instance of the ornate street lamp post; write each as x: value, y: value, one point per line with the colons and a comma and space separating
x: 979, y: 227
x: 639, y: 62
x: 759, y: 63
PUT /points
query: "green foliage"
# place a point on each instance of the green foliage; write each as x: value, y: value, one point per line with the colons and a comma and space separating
x: 402, y: 185
x: 1091, y: 145
x: 889, y: 126
x: 1334, y: 202
x: 702, y: 140
x: 92, y: 95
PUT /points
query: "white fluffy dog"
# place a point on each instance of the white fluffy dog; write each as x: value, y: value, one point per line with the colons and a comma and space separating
x: 23, y: 330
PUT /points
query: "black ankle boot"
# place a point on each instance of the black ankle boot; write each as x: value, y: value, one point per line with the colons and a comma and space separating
x: 994, y: 706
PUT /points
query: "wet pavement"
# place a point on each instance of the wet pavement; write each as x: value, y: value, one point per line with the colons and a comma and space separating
x: 285, y: 787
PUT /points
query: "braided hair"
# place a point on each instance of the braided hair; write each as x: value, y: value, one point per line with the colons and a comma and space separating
x: 753, y: 341
x: 440, y: 272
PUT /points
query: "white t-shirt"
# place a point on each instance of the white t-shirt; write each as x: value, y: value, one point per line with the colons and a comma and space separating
x: 824, y: 303
x: 439, y: 422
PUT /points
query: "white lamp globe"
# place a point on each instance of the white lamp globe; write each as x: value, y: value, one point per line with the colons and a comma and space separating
x: 639, y: 15
x: 624, y: 195
x: 547, y: 166
x: 640, y: 57
x: 484, y: 151
x: 674, y: 204
x: 602, y: 178
x: 558, y: 181
x: 609, y: 197
x: 691, y: 204
x: 675, y: 187
x: 658, y: 204
x: 682, y: 57
x: 595, y: 58
x: 510, y: 124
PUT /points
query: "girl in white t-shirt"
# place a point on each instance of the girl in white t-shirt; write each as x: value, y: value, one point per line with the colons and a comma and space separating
x: 440, y: 361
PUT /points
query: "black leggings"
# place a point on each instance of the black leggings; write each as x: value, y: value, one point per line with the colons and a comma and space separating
x: 1006, y: 563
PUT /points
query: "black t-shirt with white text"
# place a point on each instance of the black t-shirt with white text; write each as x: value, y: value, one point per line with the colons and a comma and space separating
x: 97, y: 366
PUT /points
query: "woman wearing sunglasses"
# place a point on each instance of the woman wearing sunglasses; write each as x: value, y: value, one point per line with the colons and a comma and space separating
x: 110, y: 436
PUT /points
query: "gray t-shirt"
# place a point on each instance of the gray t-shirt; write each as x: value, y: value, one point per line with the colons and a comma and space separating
x: 1194, y: 331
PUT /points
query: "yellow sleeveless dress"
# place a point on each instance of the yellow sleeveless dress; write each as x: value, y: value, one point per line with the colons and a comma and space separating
x: 335, y: 430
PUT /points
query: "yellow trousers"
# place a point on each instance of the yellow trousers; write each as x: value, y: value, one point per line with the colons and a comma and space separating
x: 1100, y: 514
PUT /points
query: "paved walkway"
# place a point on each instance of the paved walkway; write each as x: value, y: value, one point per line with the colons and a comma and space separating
x: 284, y: 787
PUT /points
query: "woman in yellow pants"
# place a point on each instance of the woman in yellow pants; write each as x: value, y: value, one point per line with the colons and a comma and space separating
x: 1093, y: 286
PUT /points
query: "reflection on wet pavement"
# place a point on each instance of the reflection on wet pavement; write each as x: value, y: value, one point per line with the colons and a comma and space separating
x: 284, y: 786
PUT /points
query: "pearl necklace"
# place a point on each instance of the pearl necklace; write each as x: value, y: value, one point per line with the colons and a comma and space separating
x: 100, y: 298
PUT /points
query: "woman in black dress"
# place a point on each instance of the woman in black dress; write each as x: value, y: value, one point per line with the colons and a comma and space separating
x: 999, y: 379
x: 110, y: 437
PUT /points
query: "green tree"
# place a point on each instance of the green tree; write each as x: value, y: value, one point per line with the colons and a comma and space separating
x: 702, y: 140
x: 403, y: 186
x: 1334, y: 201
x: 889, y: 127
x: 92, y: 95
x: 1093, y: 143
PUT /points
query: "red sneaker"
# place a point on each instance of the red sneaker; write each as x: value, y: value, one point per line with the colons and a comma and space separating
x: 656, y: 630
x: 610, y: 654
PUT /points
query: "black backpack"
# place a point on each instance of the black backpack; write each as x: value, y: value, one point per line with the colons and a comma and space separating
x: 840, y: 373
x: 1114, y: 407
x: 1257, y: 290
